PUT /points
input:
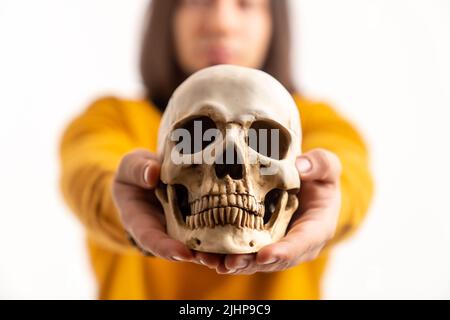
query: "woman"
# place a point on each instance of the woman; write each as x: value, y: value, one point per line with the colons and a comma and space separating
x: 109, y: 169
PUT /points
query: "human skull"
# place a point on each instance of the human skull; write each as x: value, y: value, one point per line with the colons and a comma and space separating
x: 245, y: 202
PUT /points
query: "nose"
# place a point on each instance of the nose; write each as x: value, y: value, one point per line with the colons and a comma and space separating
x: 222, y: 17
x: 230, y: 163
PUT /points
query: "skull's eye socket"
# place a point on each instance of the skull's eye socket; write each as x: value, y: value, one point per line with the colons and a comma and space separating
x: 194, y: 134
x: 269, y: 138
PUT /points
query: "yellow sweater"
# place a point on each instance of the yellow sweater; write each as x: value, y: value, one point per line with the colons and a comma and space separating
x: 91, y: 149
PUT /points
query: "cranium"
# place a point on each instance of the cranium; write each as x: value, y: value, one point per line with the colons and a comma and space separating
x: 243, y: 197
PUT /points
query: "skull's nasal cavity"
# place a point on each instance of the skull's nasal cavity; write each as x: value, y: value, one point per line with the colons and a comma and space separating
x: 230, y: 163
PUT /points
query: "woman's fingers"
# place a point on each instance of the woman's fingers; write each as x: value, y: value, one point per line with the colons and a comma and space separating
x: 140, y: 211
x: 144, y: 220
x: 149, y: 232
x: 319, y: 164
x: 308, y: 232
x: 211, y: 260
x: 236, y: 262
x: 225, y: 263
x: 302, y: 243
x: 140, y: 168
x: 159, y: 244
x: 241, y: 264
x: 146, y: 225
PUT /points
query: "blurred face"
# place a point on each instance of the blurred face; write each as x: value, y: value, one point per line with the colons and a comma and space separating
x: 210, y: 32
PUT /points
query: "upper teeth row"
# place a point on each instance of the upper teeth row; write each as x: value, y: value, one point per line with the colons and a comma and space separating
x: 244, y: 201
x: 221, y: 216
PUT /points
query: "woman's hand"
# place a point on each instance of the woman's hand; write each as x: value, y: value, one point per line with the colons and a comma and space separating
x: 140, y: 210
x: 311, y: 227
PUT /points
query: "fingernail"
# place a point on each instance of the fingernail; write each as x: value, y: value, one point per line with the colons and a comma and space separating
x: 230, y: 271
x: 242, y: 264
x: 202, y: 262
x: 273, y: 260
x: 177, y: 258
x: 303, y: 165
x: 152, y: 180
x: 147, y: 167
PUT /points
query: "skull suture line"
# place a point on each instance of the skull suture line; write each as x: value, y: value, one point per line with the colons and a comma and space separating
x: 225, y: 206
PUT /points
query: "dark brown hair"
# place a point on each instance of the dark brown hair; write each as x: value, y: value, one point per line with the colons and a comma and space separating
x: 160, y: 71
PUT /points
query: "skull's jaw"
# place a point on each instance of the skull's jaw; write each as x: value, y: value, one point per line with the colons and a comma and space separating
x: 235, y: 236
x: 227, y: 239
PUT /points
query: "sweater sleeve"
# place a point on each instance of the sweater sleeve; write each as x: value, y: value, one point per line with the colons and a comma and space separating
x: 324, y: 128
x: 91, y: 148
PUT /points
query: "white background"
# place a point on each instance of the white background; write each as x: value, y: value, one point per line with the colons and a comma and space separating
x: 383, y: 64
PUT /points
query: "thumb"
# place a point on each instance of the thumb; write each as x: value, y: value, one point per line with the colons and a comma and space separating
x: 140, y: 168
x: 319, y: 164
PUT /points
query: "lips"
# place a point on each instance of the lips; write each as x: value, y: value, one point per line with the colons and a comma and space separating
x: 219, y: 55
